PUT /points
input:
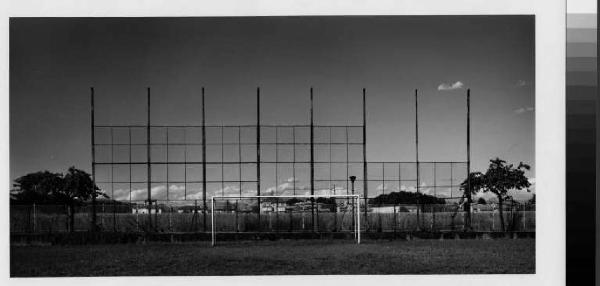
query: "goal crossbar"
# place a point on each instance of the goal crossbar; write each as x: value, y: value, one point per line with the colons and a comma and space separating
x: 354, y: 197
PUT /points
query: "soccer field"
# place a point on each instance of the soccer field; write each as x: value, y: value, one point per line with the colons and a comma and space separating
x: 291, y: 257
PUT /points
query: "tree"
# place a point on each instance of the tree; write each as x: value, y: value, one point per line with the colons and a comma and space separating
x: 499, y: 178
x: 45, y: 187
x: 292, y: 201
x: 473, y: 180
x: 77, y: 188
x: 481, y: 201
x: 403, y: 197
x: 36, y: 187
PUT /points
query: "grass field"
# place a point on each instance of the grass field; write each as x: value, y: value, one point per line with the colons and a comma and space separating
x: 292, y: 257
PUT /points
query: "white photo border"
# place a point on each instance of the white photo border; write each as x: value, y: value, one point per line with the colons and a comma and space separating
x: 549, y: 125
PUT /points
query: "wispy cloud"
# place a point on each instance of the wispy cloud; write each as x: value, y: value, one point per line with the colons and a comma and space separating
x: 450, y: 86
x: 522, y: 110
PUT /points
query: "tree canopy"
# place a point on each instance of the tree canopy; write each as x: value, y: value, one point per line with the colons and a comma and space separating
x: 499, y: 178
x: 37, y: 187
x: 403, y: 197
x: 45, y: 187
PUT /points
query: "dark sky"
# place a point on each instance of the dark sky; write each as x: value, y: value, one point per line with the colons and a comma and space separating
x: 54, y: 61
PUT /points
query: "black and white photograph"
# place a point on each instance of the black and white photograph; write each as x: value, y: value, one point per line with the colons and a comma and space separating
x: 274, y: 145
x: 269, y: 145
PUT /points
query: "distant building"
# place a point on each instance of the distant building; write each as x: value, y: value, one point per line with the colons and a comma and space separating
x: 273, y: 207
x: 144, y: 210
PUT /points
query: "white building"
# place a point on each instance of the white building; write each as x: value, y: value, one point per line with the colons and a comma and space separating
x: 144, y: 210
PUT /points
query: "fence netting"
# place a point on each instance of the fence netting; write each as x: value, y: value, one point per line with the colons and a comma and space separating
x: 242, y: 215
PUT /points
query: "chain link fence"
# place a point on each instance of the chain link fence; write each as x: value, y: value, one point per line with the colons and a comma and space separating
x: 238, y: 216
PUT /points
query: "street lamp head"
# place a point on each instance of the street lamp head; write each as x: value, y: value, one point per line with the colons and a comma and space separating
x: 352, y: 178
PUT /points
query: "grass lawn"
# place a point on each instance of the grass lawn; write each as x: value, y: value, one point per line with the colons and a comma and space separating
x: 282, y: 257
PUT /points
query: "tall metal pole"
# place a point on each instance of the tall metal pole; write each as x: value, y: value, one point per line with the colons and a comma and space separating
x: 203, y: 163
x: 148, y: 165
x: 468, y: 207
x: 357, y: 213
x: 93, y: 223
x: 312, y: 162
x: 212, y: 220
x: 358, y: 222
x: 258, y: 151
x: 417, y: 158
x: 364, y: 143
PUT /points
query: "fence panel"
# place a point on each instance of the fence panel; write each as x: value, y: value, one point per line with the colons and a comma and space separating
x: 328, y: 218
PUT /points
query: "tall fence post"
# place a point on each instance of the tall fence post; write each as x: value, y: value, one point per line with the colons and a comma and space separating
x: 149, y: 159
x: 258, y: 153
x: 364, y: 148
x: 203, y: 163
x: 468, y: 210
x: 93, y: 226
x: 312, y: 163
x: 417, y: 159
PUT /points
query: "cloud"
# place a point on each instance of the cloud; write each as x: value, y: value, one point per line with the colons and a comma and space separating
x: 450, y: 86
x: 138, y: 194
x: 522, y: 110
x: 177, y: 192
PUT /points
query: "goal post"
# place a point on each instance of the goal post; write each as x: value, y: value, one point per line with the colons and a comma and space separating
x: 283, y: 206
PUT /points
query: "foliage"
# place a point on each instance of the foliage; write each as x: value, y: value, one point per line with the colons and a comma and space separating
x: 477, y: 179
x: 499, y: 178
x: 403, y: 197
x: 292, y: 201
x: 45, y: 187
x: 78, y: 187
x: 37, y: 187
x: 55, y: 188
